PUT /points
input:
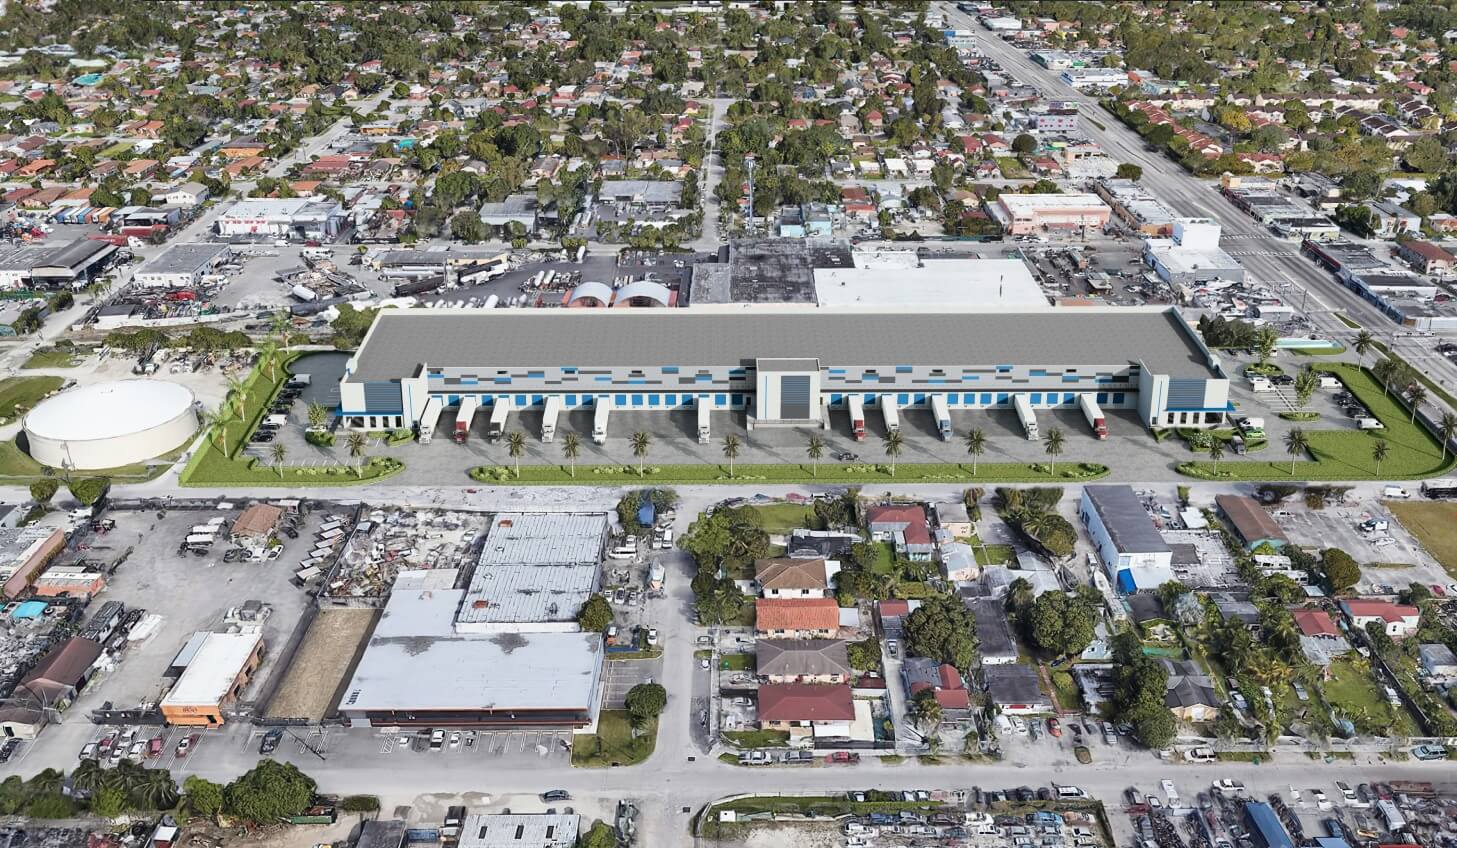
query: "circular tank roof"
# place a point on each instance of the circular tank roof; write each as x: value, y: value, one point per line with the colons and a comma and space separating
x: 108, y: 410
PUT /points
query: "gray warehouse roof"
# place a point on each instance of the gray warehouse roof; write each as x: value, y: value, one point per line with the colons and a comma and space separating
x: 403, y: 339
x: 545, y: 538
x: 414, y: 661
x: 515, y: 830
x: 1127, y: 522
x: 185, y: 258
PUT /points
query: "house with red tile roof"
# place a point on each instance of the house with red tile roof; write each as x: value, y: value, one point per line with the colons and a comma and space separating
x: 1398, y: 620
x: 904, y: 525
x: 807, y: 709
x: 797, y: 618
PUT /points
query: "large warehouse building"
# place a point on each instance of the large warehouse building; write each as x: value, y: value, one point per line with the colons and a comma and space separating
x: 781, y: 367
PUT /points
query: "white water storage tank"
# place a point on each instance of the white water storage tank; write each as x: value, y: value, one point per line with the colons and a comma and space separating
x: 109, y: 425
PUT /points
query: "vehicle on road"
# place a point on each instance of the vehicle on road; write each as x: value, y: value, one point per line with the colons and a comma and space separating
x: 270, y: 741
x: 843, y: 757
x: 1429, y: 752
x: 552, y: 795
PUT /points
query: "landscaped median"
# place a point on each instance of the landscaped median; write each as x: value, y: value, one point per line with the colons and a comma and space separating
x: 1414, y: 453
x: 218, y: 460
x: 905, y: 472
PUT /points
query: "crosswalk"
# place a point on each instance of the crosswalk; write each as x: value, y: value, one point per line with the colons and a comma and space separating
x: 1239, y: 253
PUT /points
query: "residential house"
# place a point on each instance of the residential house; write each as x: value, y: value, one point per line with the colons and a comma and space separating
x: 1439, y: 664
x: 1236, y: 606
x: 905, y: 526
x: 802, y: 660
x: 942, y: 680
x: 187, y: 195
x: 952, y: 517
x: 958, y: 562
x: 787, y: 577
x: 63, y: 672
x: 1398, y: 620
x: 892, y: 614
x: 1016, y: 689
x: 1190, y: 694
x: 807, y: 709
x: 993, y: 632
x: 1427, y: 257
x: 1252, y: 524
x: 1388, y: 219
x: 1321, y: 639
x: 797, y: 618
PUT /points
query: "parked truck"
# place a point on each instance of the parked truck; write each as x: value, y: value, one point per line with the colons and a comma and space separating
x: 549, y: 417
x: 857, y: 418
x: 891, y: 412
x: 942, y: 412
x: 599, y: 420
x: 428, y: 419
x: 1027, y: 416
x: 499, y: 412
x: 463, y: 418
x: 703, y: 427
x: 1094, y: 414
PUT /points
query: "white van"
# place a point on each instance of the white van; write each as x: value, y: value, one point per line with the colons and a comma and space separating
x: 1201, y: 754
x: 1069, y: 793
x: 1370, y: 424
x: 1261, y: 384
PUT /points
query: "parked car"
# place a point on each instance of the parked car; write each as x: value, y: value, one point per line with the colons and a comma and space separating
x: 8, y: 749
x: 553, y: 795
x: 1429, y: 752
x: 270, y: 741
x: 185, y: 746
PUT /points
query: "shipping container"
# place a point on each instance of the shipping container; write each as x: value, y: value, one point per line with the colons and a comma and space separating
x: 463, y: 418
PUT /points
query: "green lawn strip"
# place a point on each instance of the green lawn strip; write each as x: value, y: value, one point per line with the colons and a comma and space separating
x: 1341, y: 316
x: 19, y: 395
x: 1066, y: 690
x: 757, y: 738
x: 17, y: 466
x: 1242, y: 756
x: 613, y: 742
x: 993, y: 554
x: 780, y: 518
x: 1435, y: 526
x: 50, y: 357
x: 1422, y: 378
x: 1355, y: 695
x: 592, y: 475
x: 1346, y: 454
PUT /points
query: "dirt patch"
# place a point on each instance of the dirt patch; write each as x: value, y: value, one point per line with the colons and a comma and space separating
x: 327, y: 655
x: 769, y: 835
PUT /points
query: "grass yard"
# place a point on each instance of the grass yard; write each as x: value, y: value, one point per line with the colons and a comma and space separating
x: 1434, y: 523
x: 757, y: 738
x: 884, y: 561
x: 737, y: 662
x: 51, y: 357
x: 1066, y: 690
x: 993, y: 554
x: 613, y: 743
x: 780, y: 518
x: 19, y: 395
x: 17, y: 466
x: 1353, y: 693
x: 906, y: 472
x: 1346, y: 454
x: 1012, y: 168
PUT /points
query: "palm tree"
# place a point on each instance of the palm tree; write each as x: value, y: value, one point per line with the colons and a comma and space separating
x: 268, y: 355
x: 1446, y: 428
x: 357, y: 445
x: 279, y: 325
x: 1305, y: 385
x: 238, y: 392
x: 1379, y: 452
x: 1416, y: 395
x: 515, y: 446
x: 217, y: 419
x: 1296, y: 444
x: 87, y: 775
x: 976, y: 445
x: 1055, y: 442
x: 1384, y: 371
x: 571, y: 449
x: 640, y: 443
x: 731, y: 447
x: 279, y: 452
x: 1265, y: 345
x: 1364, y: 342
x: 893, y: 443
x: 815, y: 448
x: 1216, y: 453
x: 319, y: 416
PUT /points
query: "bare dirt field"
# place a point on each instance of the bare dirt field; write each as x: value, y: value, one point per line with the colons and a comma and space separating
x: 318, y: 669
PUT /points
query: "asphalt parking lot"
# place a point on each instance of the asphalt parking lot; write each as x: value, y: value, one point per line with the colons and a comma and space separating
x: 1390, y: 558
x: 619, y: 676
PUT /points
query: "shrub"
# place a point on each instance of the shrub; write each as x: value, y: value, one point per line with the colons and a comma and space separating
x: 41, y: 491
x: 319, y: 438
x: 89, y: 490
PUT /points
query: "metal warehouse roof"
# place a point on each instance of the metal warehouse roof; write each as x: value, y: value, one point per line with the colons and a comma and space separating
x: 545, y: 538
x: 1127, y: 522
x: 185, y: 258
x: 401, y: 340
x: 501, y: 594
x: 413, y: 661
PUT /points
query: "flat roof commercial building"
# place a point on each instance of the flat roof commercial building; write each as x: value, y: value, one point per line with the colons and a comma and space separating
x: 24, y: 553
x: 1027, y: 214
x: 183, y: 265
x: 515, y: 830
x: 214, y: 679
x: 1131, y: 547
x: 294, y: 219
x: 1136, y: 207
x: 72, y: 264
x: 418, y: 671
x: 535, y: 572
x: 781, y: 367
